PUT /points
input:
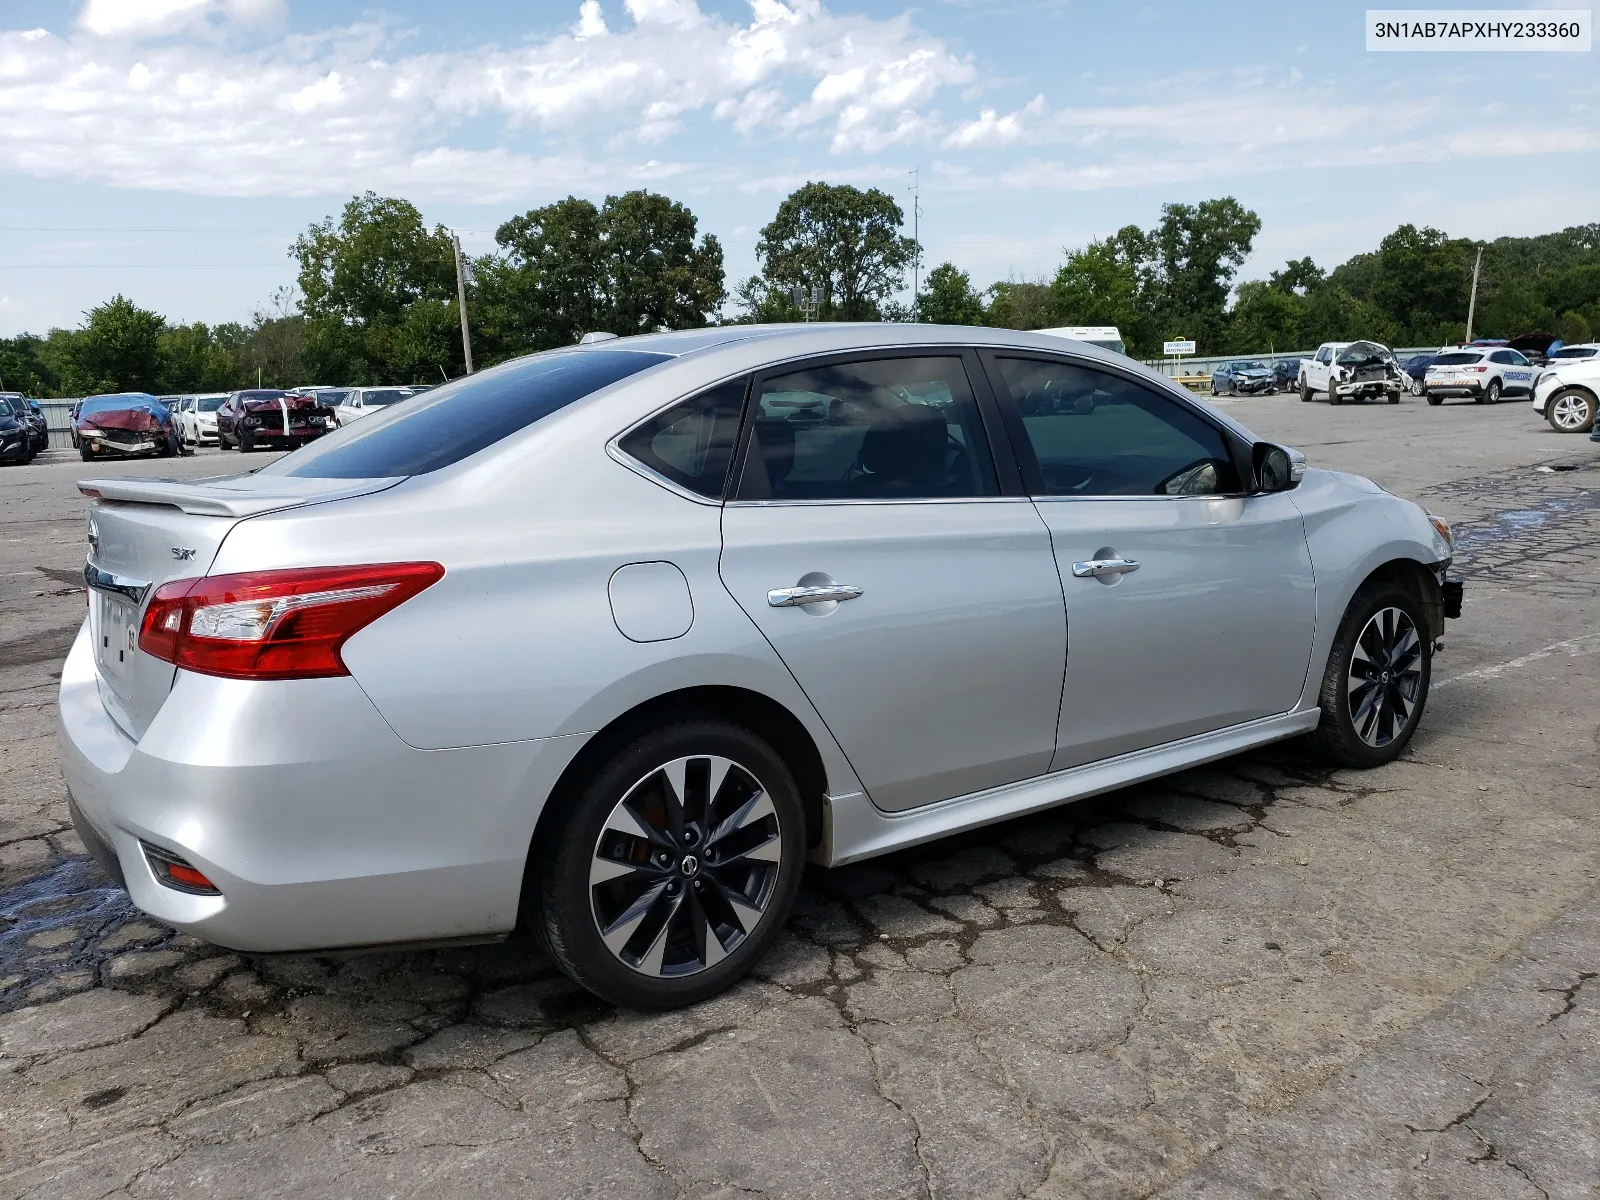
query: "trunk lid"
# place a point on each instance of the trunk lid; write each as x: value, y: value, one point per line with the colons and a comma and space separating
x: 147, y: 532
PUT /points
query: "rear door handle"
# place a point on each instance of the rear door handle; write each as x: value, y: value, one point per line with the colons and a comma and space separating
x: 790, y: 597
x: 1094, y: 568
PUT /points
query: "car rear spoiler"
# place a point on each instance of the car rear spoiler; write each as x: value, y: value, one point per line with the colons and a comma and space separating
x: 229, y: 498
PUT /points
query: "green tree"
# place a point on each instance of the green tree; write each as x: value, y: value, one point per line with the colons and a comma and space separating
x: 1021, y: 304
x: 1197, y: 251
x: 359, y: 279
x: 631, y: 265
x: 194, y: 360
x: 1267, y: 318
x: 1573, y: 328
x: 1300, y: 276
x: 1107, y: 283
x: 1420, y: 282
x: 24, y: 368
x: 948, y: 299
x: 839, y: 238
x: 117, y: 350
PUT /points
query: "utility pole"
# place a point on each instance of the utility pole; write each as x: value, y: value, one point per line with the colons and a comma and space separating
x: 1472, y: 303
x: 916, y: 233
x: 461, y: 302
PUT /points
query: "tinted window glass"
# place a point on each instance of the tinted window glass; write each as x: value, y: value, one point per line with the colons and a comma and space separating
x: 1501, y: 356
x: 210, y: 403
x: 431, y: 431
x: 1096, y: 434
x: 383, y: 397
x: 692, y: 443
x: 1457, y: 359
x: 1573, y: 352
x: 1517, y: 360
x: 887, y: 429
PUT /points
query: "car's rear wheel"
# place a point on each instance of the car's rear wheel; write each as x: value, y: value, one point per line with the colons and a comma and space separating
x: 247, y: 442
x: 1493, y: 394
x: 674, y: 866
x: 1376, y: 683
x: 1571, y: 410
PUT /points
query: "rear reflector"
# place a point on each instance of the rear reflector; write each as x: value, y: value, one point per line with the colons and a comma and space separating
x: 275, y: 624
x: 177, y: 873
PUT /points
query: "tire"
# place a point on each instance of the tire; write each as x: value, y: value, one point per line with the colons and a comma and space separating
x: 1305, y: 393
x: 1214, y: 391
x: 86, y: 452
x: 1416, y: 387
x: 1394, y: 397
x: 1333, y: 395
x: 1492, y: 396
x: 1434, y: 400
x: 678, y: 966
x: 1571, y: 410
x: 1375, y: 632
x: 247, y: 442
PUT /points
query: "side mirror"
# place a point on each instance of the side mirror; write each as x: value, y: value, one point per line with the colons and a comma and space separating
x: 1275, y: 468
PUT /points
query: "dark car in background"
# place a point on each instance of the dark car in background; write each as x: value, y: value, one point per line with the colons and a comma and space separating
x: 32, y: 417
x: 1286, y: 373
x: 129, y: 424
x: 1415, y: 368
x: 1243, y: 377
x: 267, y: 418
x: 16, y: 440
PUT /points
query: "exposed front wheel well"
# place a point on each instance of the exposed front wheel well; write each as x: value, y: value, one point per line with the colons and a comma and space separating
x: 1417, y: 578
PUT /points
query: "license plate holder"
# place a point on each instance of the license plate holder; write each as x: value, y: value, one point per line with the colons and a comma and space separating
x: 116, y: 635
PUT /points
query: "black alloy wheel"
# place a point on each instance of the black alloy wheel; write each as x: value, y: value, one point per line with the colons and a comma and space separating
x: 1376, y: 683
x: 673, y: 868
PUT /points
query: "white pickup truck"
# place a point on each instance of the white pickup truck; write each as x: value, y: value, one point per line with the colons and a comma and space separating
x: 1351, y: 371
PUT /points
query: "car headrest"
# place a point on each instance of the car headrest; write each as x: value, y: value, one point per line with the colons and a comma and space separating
x: 775, y: 436
x: 905, y: 448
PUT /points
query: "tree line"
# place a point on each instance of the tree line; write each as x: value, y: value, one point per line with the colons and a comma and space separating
x: 377, y: 292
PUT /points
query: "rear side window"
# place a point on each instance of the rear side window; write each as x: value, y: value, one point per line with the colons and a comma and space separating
x: 1501, y: 356
x: 884, y: 429
x: 438, y: 428
x: 692, y: 442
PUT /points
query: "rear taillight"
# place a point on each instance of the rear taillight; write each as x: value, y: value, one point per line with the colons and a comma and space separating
x: 275, y: 624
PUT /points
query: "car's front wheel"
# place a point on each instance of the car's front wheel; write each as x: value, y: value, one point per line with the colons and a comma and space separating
x: 1305, y: 392
x: 1571, y: 410
x: 1376, y: 683
x: 674, y: 865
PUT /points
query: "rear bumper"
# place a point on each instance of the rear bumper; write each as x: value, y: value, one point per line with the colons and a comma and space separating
x: 1454, y: 389
x: 320, y: 827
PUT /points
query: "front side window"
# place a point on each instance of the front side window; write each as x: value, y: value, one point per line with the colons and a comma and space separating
x: 451, y: 422
x: 1324, y: 355
x: 692, y: 442
x: 882, y: 429
x: 1097, y: 434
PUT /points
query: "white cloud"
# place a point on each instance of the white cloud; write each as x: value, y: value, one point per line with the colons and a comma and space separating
x: 156, y: 18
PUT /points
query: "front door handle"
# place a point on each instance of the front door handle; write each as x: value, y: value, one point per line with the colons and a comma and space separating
x: 790, y: 597
x: 1094, y: 568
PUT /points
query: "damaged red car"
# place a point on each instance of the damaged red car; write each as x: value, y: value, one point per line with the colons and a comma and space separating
x: 129, y: 424
x: 266, y: 418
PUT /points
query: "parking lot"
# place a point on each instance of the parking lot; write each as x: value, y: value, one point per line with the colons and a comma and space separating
x: 1258, y: 978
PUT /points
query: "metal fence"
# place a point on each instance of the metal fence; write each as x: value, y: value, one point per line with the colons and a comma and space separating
x: 58, y: 414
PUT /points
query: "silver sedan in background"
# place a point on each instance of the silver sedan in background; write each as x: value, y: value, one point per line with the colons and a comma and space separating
x: 607, y: 641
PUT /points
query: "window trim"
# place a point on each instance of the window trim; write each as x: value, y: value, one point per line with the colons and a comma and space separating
x: 615, y: 451
x: 995, y: 441
x: 1239, y: 450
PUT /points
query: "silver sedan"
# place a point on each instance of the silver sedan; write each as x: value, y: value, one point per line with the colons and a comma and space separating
x: 608, y: 641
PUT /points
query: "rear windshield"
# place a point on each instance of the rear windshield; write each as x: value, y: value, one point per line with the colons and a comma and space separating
x: 443, y: 426
x: 209, y: 403
x: 384, y: 398
x: 1574, y: 352
x: 1455, y: 360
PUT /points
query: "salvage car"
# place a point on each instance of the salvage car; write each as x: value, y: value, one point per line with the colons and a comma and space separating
x: 129, y: 424
x: 607, y: 641
x: 1243, y: 377
x: 266, y: 418
x: 1569, y: 396
x: 363, y: 402
x: 1351, y: 371
x: 32, y: 418
x: 197, y: 418
x: 1484, y: 375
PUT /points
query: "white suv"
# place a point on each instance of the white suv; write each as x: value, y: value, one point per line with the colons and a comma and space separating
x: 1569, y: 395
x: 1484, y: 373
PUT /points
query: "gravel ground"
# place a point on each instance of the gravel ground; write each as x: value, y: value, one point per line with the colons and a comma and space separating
x: 1259, y: 978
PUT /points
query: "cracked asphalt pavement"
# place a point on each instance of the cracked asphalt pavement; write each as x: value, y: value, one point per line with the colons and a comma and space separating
x: 1262, y: 978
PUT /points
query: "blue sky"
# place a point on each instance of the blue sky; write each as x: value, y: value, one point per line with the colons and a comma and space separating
x: 171, y: 149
